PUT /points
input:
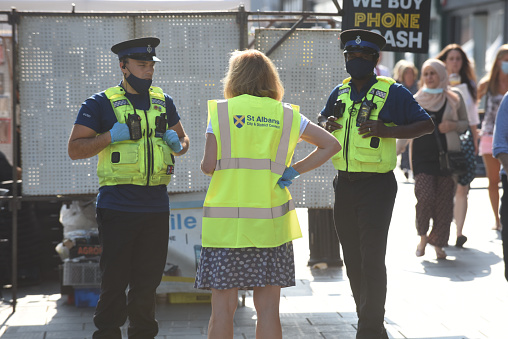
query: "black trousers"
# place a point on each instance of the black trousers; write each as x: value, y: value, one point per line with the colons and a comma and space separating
x: 362, y: 214
x: 134, y: 250
x: 503, y: 212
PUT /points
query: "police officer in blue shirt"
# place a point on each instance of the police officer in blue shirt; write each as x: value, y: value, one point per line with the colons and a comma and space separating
x: 366, y: 113
x: 136, y: 131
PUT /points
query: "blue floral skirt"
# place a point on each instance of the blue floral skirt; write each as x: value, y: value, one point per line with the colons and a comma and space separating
x: 467, y: 147
x: 245, y: 268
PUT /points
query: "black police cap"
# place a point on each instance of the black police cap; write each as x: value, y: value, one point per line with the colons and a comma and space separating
x: 139, y: 49
x: 354, y: 39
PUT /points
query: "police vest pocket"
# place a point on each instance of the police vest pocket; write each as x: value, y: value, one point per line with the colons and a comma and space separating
x: 163, y: 153
x: 124, y: 154
x: 364, y: 152
x: 375, y: 158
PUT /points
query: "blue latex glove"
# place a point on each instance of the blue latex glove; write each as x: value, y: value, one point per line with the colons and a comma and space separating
x: 119, y: 132
x: 289, y: 174
x: 171, y: 139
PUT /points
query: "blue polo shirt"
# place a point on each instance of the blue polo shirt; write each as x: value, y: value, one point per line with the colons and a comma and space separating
x: 500, y: 142
x: 97, y: 113
x: 400, y: 107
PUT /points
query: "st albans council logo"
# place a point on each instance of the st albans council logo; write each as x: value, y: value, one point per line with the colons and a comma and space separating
x: 256, y: 121
x: 239, y: 120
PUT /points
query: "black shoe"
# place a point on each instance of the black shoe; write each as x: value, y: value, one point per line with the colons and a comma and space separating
x: 461, y: 240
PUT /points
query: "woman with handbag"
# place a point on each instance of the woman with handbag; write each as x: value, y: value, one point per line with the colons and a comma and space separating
x: 493, y: 86
x: 462, y: 76
x: 435, y: 184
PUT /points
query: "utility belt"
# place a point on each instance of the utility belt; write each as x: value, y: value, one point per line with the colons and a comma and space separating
x: 354, y: 176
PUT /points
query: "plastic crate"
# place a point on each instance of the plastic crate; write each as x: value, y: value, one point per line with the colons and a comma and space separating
x: 86, y: 297
x: 81, y: 274
x: 189, y: 298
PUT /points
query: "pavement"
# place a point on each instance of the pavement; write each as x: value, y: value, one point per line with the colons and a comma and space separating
x: 464, y: 296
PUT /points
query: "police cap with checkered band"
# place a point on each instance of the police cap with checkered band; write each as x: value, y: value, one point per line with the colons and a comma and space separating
x: 138, y: 49
x: 362, y: 40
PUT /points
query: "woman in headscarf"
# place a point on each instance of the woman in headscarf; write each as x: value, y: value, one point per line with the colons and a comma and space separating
x: 435, y: 189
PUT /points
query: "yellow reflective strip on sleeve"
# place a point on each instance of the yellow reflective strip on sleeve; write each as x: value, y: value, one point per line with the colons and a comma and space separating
x: 248, y: 212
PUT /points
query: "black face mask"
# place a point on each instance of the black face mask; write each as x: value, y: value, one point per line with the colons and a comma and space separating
x: 360, y: 68
x: 140, y: 85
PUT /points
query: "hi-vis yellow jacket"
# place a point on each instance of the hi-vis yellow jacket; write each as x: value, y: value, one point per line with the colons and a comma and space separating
x: 147, y: 161
x: 244, y: 206
x: 360, y: 154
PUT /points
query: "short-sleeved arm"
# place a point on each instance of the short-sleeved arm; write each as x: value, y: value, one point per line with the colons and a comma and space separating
x: 500, y: 143
x: 401, y: 107
x: 96, y: 113
x: 327, y: 111
x: 171, y: 112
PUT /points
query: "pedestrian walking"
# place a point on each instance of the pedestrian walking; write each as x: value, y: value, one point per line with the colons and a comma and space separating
x: 500, y: 151
x: 435, y: 187
x: 493, y: 86
x: 461, y: 75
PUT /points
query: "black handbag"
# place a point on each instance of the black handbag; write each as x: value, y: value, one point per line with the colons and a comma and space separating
x: 451, y: 162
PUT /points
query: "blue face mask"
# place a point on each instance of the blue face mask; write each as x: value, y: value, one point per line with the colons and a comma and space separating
x: 432, y: 90
x: 360, y: 68
x: 504, y: 67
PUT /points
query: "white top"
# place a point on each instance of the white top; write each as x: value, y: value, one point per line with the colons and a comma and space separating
x: 471, y: 107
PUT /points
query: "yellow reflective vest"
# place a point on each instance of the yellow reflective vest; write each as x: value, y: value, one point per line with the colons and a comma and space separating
x: 147, y: 161
x: 244, y: 206
x: 360, y: 154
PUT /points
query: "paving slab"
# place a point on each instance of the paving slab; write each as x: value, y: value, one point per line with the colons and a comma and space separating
x: 462, y: 297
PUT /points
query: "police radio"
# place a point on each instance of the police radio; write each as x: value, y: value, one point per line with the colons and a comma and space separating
x: 160, y: 125
x: 134, y: 124
x: 364, y: 113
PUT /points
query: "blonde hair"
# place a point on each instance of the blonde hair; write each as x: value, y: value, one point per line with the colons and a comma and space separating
x: 251, y: 72
x: 493, y: 76
x: 400, y: 68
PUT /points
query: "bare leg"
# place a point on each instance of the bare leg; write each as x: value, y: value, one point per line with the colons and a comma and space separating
x: 266, y: 301
x: 492, y: 167
x: 460, y: 207
x: 224, y: 303
x: 420, y: 249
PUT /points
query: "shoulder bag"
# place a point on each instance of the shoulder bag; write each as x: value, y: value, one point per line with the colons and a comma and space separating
x: 451, y: 162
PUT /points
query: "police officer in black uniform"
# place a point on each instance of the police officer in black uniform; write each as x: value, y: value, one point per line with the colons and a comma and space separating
x: 367, y: 113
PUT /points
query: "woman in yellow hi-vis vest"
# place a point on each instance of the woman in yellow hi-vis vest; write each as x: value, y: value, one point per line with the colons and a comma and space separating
x: 249, y: 217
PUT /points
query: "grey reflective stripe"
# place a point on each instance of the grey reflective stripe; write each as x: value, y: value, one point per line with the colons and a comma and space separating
x: 226, y: 162
x: 282, y: 151
x: 225, y: 134
x: 254, y: 164
x: 248, y: 212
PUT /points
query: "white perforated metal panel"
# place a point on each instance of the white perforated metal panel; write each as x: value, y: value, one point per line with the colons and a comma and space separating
x: 310, y: 64
x: 63, y: 60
